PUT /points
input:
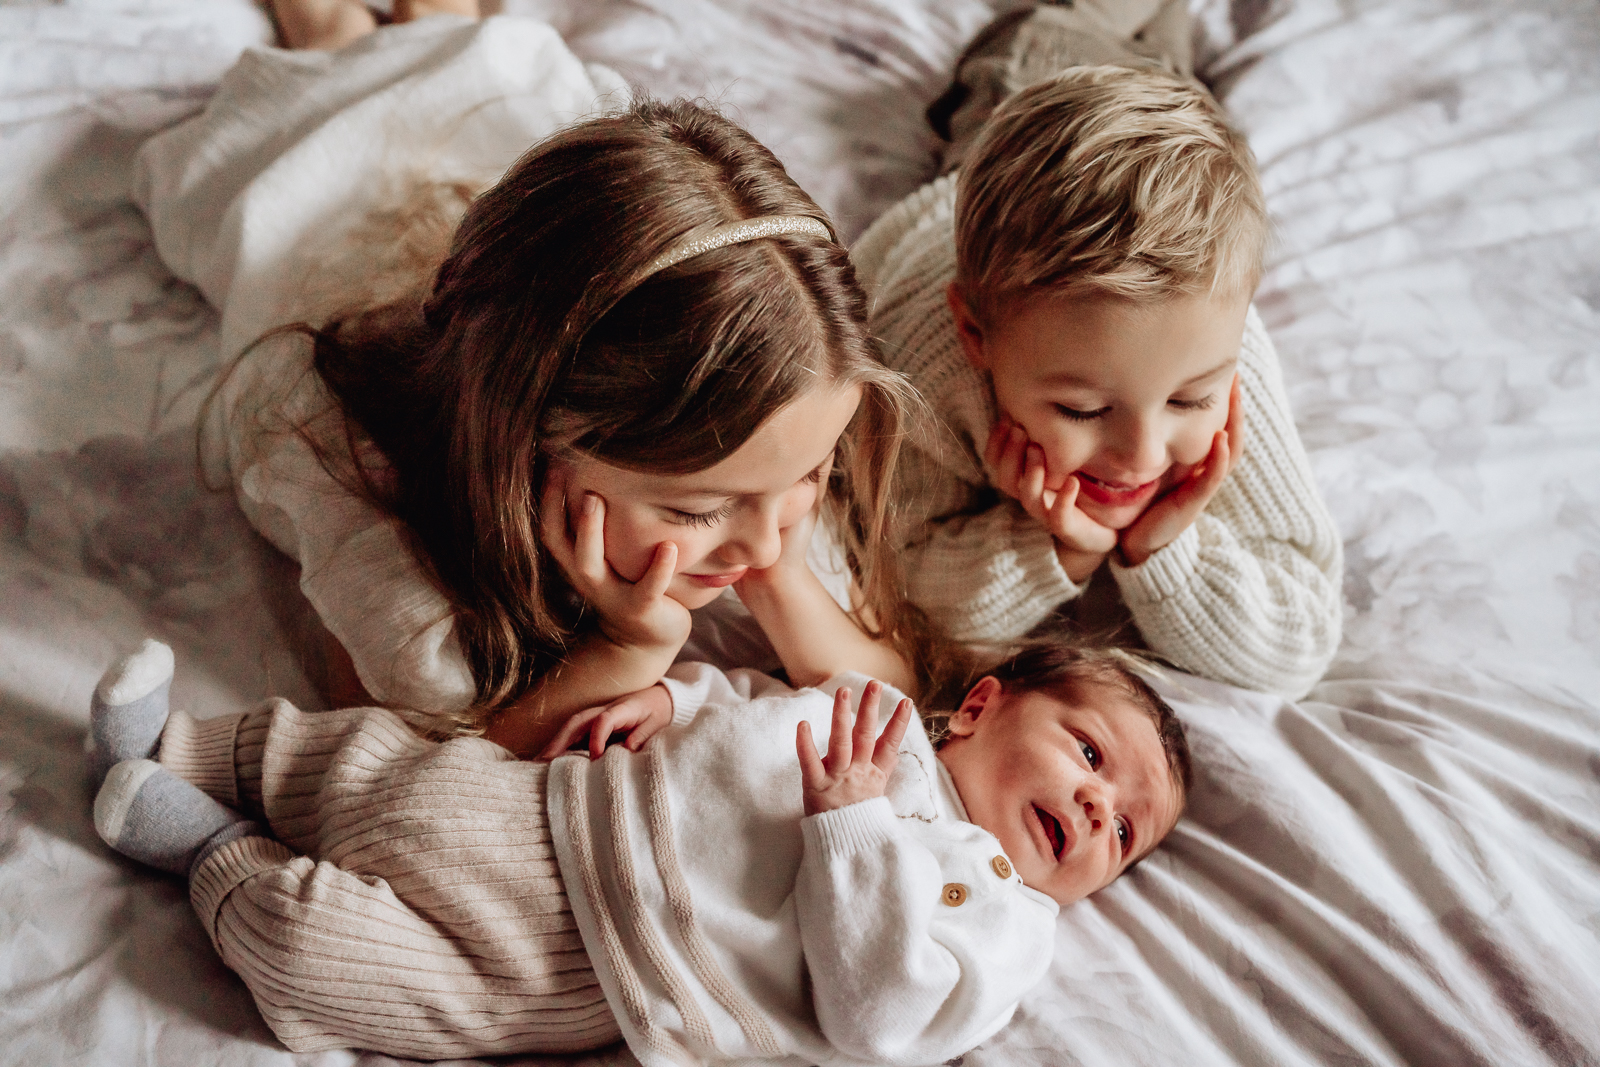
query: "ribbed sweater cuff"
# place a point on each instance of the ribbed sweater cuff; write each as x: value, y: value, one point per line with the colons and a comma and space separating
x: 1168, y: 572
x: 222, y: 872
x: 686, y: 700
x: 846, y: 831
x: 200, y: 751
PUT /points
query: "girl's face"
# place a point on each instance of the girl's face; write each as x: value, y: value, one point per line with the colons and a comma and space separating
x: 727, y: 519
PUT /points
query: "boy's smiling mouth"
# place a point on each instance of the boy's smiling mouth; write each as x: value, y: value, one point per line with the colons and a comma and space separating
x: 1115, y: 494
x: 1054, y: 832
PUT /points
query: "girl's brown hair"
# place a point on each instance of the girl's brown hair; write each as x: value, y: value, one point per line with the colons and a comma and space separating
x: 537, y: 341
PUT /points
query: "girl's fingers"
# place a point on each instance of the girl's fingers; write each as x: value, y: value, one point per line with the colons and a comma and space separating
x: 662, y: 566
x: 591, y: 541
x: 887, y: 752
x: 553, y: 520
x: 805, y: 746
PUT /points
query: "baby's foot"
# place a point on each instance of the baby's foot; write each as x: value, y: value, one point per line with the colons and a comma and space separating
x: 129, y: 707
x: 149, y: 814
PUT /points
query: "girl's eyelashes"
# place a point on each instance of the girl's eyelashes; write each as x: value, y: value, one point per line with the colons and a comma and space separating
x: 701, y: 518
x: 1078, y: 415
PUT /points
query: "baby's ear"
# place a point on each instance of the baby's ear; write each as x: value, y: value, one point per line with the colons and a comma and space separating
x: 964, y: 720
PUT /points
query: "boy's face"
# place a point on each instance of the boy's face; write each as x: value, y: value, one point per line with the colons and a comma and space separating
x: 1127, y: 395
x: 1074, y: 791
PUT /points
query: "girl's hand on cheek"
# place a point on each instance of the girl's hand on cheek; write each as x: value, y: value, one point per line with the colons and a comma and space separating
x: 796, y: 541
x: 632, y: 614
x: 1171, y: 514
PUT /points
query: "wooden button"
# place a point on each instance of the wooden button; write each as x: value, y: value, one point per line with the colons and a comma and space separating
x: 955, y: 894
x: 1002, y: 866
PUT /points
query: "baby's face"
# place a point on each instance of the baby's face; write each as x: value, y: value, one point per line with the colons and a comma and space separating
x: 1075, y: 792
x: 1126, y: 395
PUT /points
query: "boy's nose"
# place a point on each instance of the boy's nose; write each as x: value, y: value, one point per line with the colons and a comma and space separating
x: 1142, y: 450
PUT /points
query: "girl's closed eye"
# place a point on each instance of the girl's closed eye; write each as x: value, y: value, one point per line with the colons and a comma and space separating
x: 1079, y: 414
x: 701, y: 518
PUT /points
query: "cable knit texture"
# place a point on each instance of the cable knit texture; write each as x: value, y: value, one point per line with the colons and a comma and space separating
x: 1249, y: 594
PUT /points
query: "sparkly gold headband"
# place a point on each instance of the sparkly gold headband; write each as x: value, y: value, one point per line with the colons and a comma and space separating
x: 705, y: 238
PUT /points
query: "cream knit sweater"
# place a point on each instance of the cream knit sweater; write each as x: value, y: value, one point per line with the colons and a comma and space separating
x: 1248, y: 594
x: 423, y: 915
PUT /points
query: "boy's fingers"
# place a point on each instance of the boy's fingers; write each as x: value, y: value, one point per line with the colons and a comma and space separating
x: 887, y: 752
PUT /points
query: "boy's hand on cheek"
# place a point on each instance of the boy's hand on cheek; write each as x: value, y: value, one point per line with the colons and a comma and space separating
x: 1171, y: 514
x: 637, y: 615
x: 1081, y: 543
x: 859, y: 762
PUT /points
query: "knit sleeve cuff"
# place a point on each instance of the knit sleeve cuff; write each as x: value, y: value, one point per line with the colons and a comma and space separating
x: 686, y: 699
x: 1025, y: 584
x: 846, y: 831
x: 1168, y: 572
x: 225, y: 869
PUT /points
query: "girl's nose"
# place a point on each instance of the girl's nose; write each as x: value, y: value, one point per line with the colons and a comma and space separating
x: 755, y: 543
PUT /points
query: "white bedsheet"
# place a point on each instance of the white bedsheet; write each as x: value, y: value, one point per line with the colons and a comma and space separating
x: 1405, y: 868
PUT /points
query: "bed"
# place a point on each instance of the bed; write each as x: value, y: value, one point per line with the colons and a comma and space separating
x: 1402, y: 868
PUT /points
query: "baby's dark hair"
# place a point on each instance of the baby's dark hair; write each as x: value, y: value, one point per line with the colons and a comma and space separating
x: 1066, y: 670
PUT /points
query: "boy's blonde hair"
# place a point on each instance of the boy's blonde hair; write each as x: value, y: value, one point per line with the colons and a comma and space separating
x: 1109, y: 181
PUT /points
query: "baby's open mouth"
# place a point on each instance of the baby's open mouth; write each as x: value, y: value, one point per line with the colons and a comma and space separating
x: 1052, y: 830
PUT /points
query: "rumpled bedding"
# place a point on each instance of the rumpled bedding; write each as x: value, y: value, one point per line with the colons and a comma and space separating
x: 1404, y: 868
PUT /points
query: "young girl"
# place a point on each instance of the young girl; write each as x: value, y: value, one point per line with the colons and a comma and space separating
x: 886, y: 904
x: 636, y: 379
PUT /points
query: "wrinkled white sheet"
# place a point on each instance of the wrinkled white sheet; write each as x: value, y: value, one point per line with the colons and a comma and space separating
x: 1405, y: 868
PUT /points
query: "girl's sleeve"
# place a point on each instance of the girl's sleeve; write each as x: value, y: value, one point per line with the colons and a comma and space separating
x: 1250, y: 593
x: 355, y: 567
x: 914, y: 957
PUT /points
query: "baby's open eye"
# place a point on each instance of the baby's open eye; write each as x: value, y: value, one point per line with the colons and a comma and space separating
x: 1124, y: 832
x: 1090, y: 753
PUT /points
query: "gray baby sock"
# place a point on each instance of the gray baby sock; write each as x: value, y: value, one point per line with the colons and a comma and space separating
x: 129, y: 707
x: 149, y: 814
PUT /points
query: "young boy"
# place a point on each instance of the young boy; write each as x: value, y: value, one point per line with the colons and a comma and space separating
x: 722, y: 894
x: 1075, y: 305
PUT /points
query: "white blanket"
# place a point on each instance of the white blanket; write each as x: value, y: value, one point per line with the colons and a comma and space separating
x: 1405, y: 868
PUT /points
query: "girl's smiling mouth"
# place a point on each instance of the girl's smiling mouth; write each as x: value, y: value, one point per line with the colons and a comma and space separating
x: 1054, y: 832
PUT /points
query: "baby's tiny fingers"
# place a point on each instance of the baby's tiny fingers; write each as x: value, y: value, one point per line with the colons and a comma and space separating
x: 887, y: 752
x: 839, y: 737
x: 866, y: 729
x: 812, y: 772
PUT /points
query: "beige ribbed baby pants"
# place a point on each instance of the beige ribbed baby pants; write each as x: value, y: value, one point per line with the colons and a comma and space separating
x: 431, y: 922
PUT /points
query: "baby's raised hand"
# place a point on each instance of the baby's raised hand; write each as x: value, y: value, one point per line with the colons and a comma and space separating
x: 1019, y: 465
x: 857, y: 767
x: 1175, y: 512
x: 632, y: 614
x: 640, y: 715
